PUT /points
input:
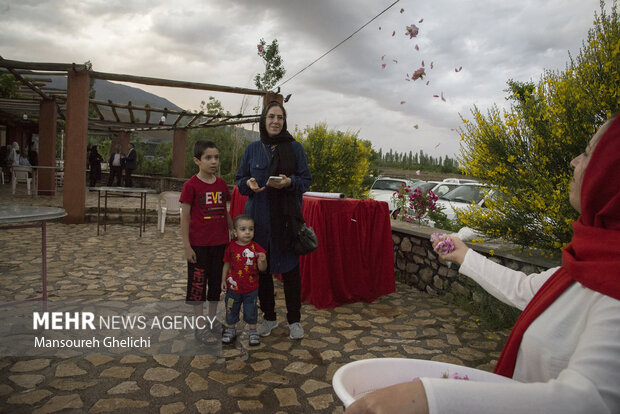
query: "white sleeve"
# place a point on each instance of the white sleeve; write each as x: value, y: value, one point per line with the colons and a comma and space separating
x: 588, y: 384
x: 510, y: 286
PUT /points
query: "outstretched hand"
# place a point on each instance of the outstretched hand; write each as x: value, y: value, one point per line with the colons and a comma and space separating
x: 408, y: 397
x: 458, y: 254
x: 253, y: 185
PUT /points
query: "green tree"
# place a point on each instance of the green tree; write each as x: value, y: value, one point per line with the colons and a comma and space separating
x: 274, y: 68
x: 8, y: 86
x: 338, y: 161
x: 525, y: 152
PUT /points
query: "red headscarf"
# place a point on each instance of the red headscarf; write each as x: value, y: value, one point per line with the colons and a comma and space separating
x: 593, y: 256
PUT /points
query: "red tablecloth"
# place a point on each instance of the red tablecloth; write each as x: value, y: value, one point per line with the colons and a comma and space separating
x: 355, y: 259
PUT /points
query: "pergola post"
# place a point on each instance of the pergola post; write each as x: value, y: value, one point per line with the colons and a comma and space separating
x: 47, y: 146
x: 179, y: 142
x: 124, y: 138
x: 270, y: 97
x: 74, y: 194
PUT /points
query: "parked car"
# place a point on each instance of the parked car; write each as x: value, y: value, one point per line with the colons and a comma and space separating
x: 464, y: 196
x: 384, y: 187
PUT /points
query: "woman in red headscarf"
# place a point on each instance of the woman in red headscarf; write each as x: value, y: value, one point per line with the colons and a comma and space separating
x: 564, y: 351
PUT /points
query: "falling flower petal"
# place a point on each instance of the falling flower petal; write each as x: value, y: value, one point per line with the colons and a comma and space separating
x: 379, y: 27
x: 435, y: 96
x: 417, y: 47
x: 459, y: 69
x: 432, y: 65
x: 383, y: 66
x: 422, y: 63
x: 412, y: 31
x: 419, y: 73
x: 427, y: 82
x: 402, y: 102
x: 394, y: 32
x: 437, y: 145
x: 421, y: 20
x: 442, y: 98
x: 260, y: 48
x: 402, y: 10
x: 417, y: 172
x: 416, y: 126
x: 382, y: 57
x: 394, y: 60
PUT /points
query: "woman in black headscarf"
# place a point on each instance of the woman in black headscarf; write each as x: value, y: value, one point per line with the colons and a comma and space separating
x: 94, y: 161
x: 275, y: 207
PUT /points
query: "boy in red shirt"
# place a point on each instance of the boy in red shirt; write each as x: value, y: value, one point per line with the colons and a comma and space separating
x: 205, y: 229
x: 243, y: 259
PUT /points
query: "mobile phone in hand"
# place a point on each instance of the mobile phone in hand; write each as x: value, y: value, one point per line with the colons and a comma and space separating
x: 274, y: 179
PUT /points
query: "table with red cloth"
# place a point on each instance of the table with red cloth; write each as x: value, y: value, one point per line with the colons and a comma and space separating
x: 355, y: 258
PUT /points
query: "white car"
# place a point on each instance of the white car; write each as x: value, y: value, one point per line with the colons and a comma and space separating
x: 384, y: 187
x: 463, y: 197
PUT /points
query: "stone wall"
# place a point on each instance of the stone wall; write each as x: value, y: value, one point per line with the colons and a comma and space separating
x: 416, y: 263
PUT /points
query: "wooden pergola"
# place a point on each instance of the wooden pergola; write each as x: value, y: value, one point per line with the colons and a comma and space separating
x: 39, y: 107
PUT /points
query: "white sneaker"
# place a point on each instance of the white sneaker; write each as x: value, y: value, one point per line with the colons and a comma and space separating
x: 266, y: 327
x: 296, y: 331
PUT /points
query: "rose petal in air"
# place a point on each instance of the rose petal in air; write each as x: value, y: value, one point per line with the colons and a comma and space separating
x: 402, y: 102
x: 435, y: 96
x: 427, y: 82
x: 432, y: 65
x: 393, y: 33
x: 383, y: 66
x: 416, y: 126
x: 419, y: 73
x: 417, y: 172
x: 412, y: 31
x: 421, y: 20
x: 442, y: 98
x: 417, y: 48
x: 260, y: 48
x: 422, y: 63
x: 402, y: 10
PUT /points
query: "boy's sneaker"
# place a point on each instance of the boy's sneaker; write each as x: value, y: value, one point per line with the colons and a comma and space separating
x: 253, y: 337
x: 266, y: 327
x: 229, y: 335
x: 296, y: 331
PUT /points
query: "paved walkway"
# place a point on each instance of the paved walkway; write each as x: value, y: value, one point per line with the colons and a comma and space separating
x: 280, y: 375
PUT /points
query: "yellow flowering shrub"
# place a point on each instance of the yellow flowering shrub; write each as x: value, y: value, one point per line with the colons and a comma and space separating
x: 338, y: 161
x: 525, y: 152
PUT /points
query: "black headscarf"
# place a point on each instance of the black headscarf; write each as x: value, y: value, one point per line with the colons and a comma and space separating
x: 284, y: 210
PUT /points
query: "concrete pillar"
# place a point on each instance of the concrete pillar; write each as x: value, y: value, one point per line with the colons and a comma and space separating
x: 74, y: 192
x: 47, y: 146
x: 179, y: 144
x: 269, y: 97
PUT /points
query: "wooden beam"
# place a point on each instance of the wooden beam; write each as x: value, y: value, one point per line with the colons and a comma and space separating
x: 16, y: 64
x: 97, y: 110
x: 194, y: 119
x: 181, y: 115
x: 114, y: 106
x: 174, y: 83
x: 131, y: 117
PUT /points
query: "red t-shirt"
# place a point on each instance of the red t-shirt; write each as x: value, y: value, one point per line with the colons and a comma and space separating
x: 243, y: 266
x: 208, y: 225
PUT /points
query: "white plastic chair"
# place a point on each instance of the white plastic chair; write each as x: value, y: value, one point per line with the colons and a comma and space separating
x: 21, y: 174
x: 168, y: 204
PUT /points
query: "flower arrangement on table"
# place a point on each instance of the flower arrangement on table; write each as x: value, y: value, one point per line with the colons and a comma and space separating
x: 414, y: 205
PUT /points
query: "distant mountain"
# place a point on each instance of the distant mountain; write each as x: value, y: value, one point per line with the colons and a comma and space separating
x: 121, y: 94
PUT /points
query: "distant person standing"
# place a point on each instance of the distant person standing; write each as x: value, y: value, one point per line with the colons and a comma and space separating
x: 116, y: 165
x: 131, y: 163
x: 94, y: 161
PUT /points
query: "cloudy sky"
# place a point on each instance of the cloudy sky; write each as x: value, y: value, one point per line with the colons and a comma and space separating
x: 215, y: 42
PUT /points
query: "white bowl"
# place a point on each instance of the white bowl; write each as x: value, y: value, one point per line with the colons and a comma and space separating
x: 358, y: 378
